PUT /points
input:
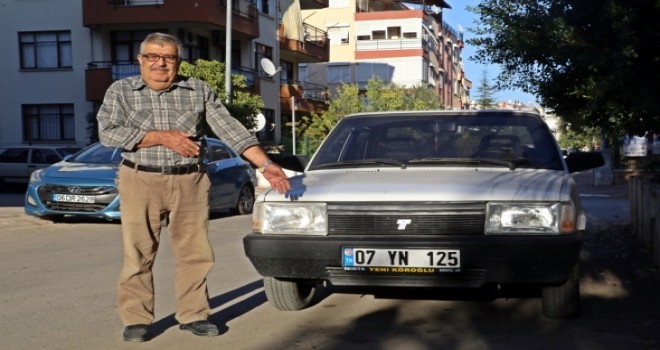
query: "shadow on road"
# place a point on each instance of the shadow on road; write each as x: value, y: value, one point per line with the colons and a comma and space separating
x: 221, y: 318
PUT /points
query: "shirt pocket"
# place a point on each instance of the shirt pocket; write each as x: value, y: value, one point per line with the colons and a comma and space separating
x: 187, y: 120
x: 141, y: 120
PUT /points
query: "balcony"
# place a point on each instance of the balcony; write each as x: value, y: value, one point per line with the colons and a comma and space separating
x: 100, y: 75
x: 315, y: 46
x: 309, y: 98
x: 391, y: 44
x: 211, y: 13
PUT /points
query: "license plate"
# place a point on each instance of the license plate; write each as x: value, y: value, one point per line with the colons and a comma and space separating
x: 397, y: 260
x: 73, y: 198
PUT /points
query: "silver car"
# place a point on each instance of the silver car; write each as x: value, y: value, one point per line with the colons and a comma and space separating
x: 440, y: 204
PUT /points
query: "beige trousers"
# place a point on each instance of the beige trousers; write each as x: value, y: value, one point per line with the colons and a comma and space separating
x: 145, y: 197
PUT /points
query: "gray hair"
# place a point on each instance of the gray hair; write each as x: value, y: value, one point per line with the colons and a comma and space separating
x: 162, y: 39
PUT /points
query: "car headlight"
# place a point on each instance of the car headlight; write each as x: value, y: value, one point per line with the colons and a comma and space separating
x: 530, y: 218
x: 37, y: 176
x: 290, y: 218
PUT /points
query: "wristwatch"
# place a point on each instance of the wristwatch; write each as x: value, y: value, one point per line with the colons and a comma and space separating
x: 263, y: 166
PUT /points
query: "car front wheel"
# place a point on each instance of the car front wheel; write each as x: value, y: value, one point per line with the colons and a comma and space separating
x: 563, y: 301
x: 288, y: 295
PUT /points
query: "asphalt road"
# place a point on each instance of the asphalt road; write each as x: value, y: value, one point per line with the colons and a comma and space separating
x: 58, y: 292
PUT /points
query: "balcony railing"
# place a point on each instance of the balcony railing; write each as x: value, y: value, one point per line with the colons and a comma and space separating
x: 315, y: 35
x: 391, y: 44
x: 116, y: 3
x: 120, y: 70
x: 242, y: 8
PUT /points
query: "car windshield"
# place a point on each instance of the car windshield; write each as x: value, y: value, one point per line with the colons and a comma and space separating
x: 495, y: 139
x: 97, y: 154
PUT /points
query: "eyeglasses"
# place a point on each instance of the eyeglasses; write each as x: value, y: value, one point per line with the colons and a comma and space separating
x: 152, y: 57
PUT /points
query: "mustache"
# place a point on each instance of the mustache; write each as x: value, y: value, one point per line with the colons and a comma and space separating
x: 163, y: 69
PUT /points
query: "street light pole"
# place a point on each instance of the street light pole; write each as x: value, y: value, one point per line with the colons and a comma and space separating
x: 228, y: 52
x: 293, y: 123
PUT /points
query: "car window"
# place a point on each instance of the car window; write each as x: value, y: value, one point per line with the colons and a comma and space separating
x: 523, y: 140
x: 218, y: 152
x: 14, y: 155
x: 44, y: 156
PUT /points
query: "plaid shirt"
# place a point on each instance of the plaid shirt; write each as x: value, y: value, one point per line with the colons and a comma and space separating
x: 130, y: 109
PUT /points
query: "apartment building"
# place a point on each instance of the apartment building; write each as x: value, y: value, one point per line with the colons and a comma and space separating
x: 58, y: 65
x: 405, y: 43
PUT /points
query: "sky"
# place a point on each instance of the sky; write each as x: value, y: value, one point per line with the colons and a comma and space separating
x: 458, y: 17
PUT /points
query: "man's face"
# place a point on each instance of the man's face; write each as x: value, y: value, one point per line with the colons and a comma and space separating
x: 159, y: 65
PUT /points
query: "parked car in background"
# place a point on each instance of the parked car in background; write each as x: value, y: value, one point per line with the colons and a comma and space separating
x: 435, y: 204
x: 84, y: 184
x: 18, y: 162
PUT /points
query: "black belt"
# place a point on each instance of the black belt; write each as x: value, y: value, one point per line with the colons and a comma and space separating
x: 167, y: 170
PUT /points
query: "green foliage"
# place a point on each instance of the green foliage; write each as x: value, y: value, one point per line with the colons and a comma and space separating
x: 244, y: 105
x: 378, y: 97
x: 486, y: 92
x: 595, y: 63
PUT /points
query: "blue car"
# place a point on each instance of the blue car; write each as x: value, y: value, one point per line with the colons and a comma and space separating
x: 83, y: 184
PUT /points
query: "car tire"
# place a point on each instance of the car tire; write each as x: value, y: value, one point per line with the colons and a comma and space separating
x: 563, y: 301
x: 245, y: 202
x: 290, y: 295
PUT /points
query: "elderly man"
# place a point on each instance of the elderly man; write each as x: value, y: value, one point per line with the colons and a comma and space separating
x: 153, y: 117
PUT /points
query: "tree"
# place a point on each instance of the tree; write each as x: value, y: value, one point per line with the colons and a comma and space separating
x: 596, y: 63
x: 378, y: 97
x: 244, y: 106
x: 486, y: 92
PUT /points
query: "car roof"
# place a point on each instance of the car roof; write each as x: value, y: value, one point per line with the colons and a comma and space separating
x: 445, y: 112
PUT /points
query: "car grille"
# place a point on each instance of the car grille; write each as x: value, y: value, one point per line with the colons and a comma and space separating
x: 104, y: 195
x: 406, y: 218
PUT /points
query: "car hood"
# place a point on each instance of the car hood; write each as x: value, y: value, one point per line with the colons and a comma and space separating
x: 424, y: 184
x: 67, y: 170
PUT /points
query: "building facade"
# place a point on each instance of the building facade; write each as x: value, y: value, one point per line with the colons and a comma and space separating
x: 59, y: 64
x: 405, y: 43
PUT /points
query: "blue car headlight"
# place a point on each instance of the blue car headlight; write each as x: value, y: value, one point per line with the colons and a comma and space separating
x: 37, y: 176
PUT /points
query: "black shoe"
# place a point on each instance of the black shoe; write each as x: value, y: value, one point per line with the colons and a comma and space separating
x: 136, y: 333
x: 203, y: 328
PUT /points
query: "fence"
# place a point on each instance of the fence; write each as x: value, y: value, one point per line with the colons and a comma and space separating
x: 645, y: 213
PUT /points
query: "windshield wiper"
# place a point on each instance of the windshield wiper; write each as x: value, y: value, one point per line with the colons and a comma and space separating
x: 376, y: 161
x: 505, y: 163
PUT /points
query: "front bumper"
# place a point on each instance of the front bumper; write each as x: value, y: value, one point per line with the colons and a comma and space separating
x: 485, y: 259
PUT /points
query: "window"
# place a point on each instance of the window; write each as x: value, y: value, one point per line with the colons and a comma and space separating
x: 126, y: 44
x: 286, y: 74
x: 45, y: 50
x: 394, y: 32
x: 48, y: 122
x: 262, y: 51
x: 14, y: 155
x: 339, y: 73
x: 378, y: 34
x: 264, y: 6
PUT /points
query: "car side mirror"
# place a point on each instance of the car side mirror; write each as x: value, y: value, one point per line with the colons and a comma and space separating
x: 296, y: 162
x: 580, y: 161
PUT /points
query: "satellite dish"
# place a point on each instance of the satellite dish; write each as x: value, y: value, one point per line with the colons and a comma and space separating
x: 259, y: 123
x: 269, y: 67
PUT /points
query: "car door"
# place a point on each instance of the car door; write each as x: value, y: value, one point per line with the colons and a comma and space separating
x: 224, y: 170
x: 14, y: 165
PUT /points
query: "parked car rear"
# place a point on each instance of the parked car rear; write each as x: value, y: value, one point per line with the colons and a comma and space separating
x: 18, y: 162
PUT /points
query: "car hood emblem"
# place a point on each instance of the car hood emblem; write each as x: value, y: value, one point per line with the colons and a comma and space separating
x: 75, y: 190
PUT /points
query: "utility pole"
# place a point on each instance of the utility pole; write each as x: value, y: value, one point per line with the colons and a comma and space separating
x: 228, y: 52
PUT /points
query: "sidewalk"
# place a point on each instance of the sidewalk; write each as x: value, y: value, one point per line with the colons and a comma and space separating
x: 585, y: 184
